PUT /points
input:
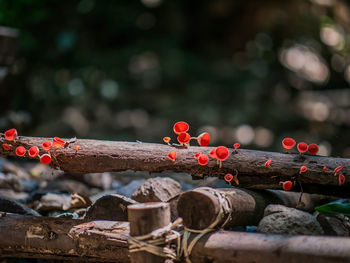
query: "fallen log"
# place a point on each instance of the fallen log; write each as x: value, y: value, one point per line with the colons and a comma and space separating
x: 200, y: 207
x: 106, y: 241
x: 63, y: 238
x: 113, y: 156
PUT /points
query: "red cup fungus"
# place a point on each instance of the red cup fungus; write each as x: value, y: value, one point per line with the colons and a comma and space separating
x: 203, y: 139
x: 302, y: 147
x: 6, y: 146
x: 172, y: 156
x: 196, y: 156
x: 341, y: 179
x: 11, y: 134
x: 167, y: 140
x: 324, y: 168
x: 47, y: 145
x: 222, y: 154
x: 45, y: 158
x: 180, y: 127
x: 212, y: 154
x: 268, y: 162
x: 33, y: 151
x: 20, y: 151
x: 338, y: 169
x: 236, y: 146
x: 58, y: 143
x: 288, y: 143
x: 183, y: 138
x: 313, y: 149
x: 228, y: 177
x: 76, y: 147
x: 203, y: 159
x: 303, y: 169
x: 287, y: 185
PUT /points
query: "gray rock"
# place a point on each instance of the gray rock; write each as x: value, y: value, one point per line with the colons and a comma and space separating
x: 279, y: 219
x: 158, y: 189
x: 128, y: 189
x: 10, y: 205
x: 67, y: 186
x: 100, y: 180
x: 335, y: 225
x: 10, y: 181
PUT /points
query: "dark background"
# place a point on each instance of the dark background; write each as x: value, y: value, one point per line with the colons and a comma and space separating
x: 246, y: 71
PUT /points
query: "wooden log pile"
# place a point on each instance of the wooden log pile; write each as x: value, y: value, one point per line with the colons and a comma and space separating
x: 118, y: 229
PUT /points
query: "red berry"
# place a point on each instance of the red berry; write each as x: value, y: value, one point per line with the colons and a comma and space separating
x: 221, y: 153
x: 183, y: 138
x: 47, y: 145
x: 236, y: 145
x: 228, y: 177
x: 6, y: 146
x: 203, y: 139
x: 288, y: 143
x: 11, y: 134
x: 180, y: 127
x: 287, y: 185
x: 197, y: 155
x: 312, y: 149
x: 58, y: 143
x: 302, y: 147
x: 268, y: 162
x: 172, y: 156
x: 341, y: 179
x: 303, y: 169
x: 20, y: 151
x: 203, y: 159
x: 33, y: 151
x: 45, y: 158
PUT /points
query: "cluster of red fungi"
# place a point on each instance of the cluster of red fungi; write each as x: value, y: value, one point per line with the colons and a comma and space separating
x: 33, y: 152
x: 221, y: 153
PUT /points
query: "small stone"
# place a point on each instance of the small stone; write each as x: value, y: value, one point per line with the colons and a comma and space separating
x: 99, y: 180
x: 67, y: 186
x: 157, y: 189
x: 279, y: 219
x: 10, y: 181
x: 10, y: 205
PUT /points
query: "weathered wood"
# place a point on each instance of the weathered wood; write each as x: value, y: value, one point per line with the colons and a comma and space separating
x: 200, y: 207
x: 145, y: 218
x: 106, y: 241
x: 102, y: 156
x: 63, y: 238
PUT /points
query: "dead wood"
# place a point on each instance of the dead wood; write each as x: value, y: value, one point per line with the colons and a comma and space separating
x: 200, y: 207
x: 102, y: 156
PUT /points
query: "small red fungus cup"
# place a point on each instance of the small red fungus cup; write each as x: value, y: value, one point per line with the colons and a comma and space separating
x: 58, y: 143
x: 203, y: 139
x: 20, y: 151
x: 338, y: 169
x: 236, y: 146
x: 228, y: 178
x: 287, y: 185
x: 33, y: 151
x: 180, y: 127
x: 288, y: 143
x: 183, y: 138
x: 268, y: 163
x: 222, y: 154
x: 196, y: 156
x: 76, y: 147
x: 47, y: 145
x: 11, y: 134
x: 45, y: 158
x: 302, y: 147
x: 6, y: 146
x: 303, y: 169
x: 341, y: 179
x: 172, y: 156
x: 203, y: 159
x: 212, y: 154
x: 167, y: 140
x: 313, y: 149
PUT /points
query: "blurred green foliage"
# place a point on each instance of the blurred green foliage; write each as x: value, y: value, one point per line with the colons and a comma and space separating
x: 248, y: 71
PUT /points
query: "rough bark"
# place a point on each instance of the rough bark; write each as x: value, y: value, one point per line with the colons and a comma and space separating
x: 63, y: 238
x: 102, y: 156
x: 200, y: 207
x: 145, y: 218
